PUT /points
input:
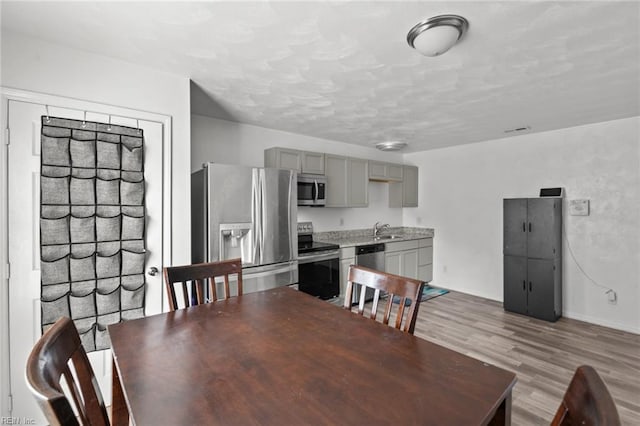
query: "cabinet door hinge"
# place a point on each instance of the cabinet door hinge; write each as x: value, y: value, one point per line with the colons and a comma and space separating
x: 7, y: 270
x: 10, y: 403
x: 7, y: 133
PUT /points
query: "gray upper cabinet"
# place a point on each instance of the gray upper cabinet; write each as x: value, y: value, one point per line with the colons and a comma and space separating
x: 515, y: 226
x: 532, y: 227
x: 405, y: 193
x: 386, y: 172
x: 544, y: 227
x: 358, y: 194
x: 347, y: 181
x: 335, y: 168
x: 300, y: 161
x: 313, y: 162
x: 348, y: 178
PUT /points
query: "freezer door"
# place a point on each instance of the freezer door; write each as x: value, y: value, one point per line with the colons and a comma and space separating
x: 228, y: 201
x: 274, y: 212
x: 259, y: 278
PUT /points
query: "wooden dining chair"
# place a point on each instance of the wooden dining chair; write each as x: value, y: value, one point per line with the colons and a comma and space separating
x: 394, y: 285
x: 198, y: 274
x: 59, y: 352
x: 587, y: 401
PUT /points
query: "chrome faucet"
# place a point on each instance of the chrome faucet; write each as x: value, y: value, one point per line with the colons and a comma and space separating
x: 377, y: 228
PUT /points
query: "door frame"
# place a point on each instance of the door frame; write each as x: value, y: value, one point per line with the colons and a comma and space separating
x: 10, y: 94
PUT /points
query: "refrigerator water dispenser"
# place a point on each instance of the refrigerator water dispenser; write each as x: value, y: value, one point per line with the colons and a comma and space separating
x: 236, y: 241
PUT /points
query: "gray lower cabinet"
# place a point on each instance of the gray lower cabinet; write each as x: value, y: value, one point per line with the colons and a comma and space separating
x: 402, y: 258
x: 347, y: 258
x: 533, y: 257
x: 425, y: 259
x: 515, y: 284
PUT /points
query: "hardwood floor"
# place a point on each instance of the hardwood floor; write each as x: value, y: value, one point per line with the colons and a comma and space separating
x: 543, y: 355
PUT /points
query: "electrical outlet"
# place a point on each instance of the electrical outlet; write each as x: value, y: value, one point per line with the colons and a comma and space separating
x: 341, y: 222
x: 418, y: 220
x: 612, y: 297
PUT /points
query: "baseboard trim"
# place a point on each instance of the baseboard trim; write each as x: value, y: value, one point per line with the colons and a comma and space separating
x: 567, y: 314
x: 598, y: 321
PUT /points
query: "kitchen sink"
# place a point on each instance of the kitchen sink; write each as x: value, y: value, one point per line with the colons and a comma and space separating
x: 387, y: 237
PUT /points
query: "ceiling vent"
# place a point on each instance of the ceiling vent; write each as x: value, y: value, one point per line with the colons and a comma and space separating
x: 518, y: 129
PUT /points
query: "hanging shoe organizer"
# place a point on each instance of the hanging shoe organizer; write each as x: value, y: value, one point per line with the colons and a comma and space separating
x: 92, y: 226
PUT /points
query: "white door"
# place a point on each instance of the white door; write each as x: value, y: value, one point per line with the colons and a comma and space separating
x: 24, y: 120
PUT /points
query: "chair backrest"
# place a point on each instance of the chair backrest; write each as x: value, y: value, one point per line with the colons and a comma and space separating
x: 587, y: 401
x: 198, y: 274
x: 394, y: 285
x: 59, y: 354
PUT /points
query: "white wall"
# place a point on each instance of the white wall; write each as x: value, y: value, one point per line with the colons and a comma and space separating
x: 461, y: 192
x: 223, y: 141
x: 39, y: 66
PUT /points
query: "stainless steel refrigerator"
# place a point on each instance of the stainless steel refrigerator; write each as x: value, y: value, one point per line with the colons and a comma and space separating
x: 250, y: 213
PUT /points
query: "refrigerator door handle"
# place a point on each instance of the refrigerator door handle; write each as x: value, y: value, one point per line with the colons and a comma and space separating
x: 256, y: 216
x: 292, y: 215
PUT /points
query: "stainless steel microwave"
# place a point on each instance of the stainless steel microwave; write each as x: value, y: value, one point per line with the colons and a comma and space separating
x: 312, y: 190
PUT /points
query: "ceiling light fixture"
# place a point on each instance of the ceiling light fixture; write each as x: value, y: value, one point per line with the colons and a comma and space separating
x: 436, y: 35
x: 390, y: 145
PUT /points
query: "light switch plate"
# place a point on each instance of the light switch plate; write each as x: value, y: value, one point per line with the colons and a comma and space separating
x: 579, y: 207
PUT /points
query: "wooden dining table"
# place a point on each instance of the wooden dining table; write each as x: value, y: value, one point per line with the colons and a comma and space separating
x: 282, y: 357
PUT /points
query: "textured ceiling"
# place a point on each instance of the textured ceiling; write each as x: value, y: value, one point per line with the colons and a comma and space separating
x: 343, y: 71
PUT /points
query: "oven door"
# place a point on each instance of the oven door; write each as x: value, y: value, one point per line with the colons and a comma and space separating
x: 319, y: 274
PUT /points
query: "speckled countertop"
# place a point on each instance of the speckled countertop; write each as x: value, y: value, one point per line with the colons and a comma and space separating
x: 358, y: 237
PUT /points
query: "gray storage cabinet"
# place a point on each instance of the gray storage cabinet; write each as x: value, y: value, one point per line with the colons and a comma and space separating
x: 533, y: 257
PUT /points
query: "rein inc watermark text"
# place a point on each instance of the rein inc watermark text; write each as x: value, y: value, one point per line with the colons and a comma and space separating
x: 17, y: 421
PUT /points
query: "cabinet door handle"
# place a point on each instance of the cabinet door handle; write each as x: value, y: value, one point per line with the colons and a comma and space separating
x: 529, y: 226
x: 524, y: 229
x: 529, y: 286
x: 524, y: 285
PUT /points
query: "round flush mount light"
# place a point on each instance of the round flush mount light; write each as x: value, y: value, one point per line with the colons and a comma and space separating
x: 436, y: 35
x: 390, y: 145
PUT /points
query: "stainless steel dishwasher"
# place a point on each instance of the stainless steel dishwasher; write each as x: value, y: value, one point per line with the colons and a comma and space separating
x: 369, y: 256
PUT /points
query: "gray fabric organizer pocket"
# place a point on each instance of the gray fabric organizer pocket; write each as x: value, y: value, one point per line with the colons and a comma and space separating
x: 83, y: 153
x: 108, y: 191
x: 132, y: 153
x: 55, y: 308
x: 132, y: 227
x: 132, y: 298
x: 108, y: 155
x: 56, y: 150
x: 132, y: 193
x: 92, y: 226
x: 82, y: 229
x: 55, y: 271
x: 108, y: 228
x: 83, y: 305
x: 54, y: 231
x: 108, y: 266
x: 82, y: 191
x: 54, y: 190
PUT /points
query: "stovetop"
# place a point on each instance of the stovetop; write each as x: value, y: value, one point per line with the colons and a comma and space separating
x: 306, y: 243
